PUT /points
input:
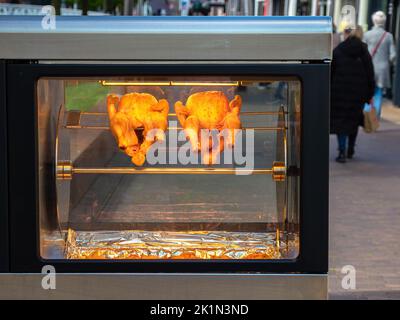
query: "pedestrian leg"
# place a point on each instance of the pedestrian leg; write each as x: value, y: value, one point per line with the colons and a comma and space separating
x: 352, y: 145
x: 342, y: 140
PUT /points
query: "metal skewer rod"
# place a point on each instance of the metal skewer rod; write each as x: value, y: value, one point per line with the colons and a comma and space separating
x: 196, y: 171
x: 175, y: 128
x: 249, y: 113
x: 65, y: 171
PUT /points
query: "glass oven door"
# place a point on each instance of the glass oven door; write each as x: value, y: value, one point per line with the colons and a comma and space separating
x: 153, y: 167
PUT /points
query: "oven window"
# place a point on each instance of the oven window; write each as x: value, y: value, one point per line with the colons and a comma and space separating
x: 166, y: 168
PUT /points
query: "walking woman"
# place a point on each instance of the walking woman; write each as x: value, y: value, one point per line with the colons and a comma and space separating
x: 383, y: 51
x: 353, y: 85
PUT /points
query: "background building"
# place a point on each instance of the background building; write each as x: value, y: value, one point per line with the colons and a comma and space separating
x: 360, y: 10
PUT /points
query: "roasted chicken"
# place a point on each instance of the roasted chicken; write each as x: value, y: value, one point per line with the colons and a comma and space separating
x: 210, y: 110
x: 134, y: 113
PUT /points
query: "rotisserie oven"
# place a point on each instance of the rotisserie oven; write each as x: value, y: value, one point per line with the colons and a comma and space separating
x: 147, y: 146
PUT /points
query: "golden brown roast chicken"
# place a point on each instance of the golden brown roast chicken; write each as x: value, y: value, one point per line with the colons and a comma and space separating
x: 209, y: 110
x: 132, y: 113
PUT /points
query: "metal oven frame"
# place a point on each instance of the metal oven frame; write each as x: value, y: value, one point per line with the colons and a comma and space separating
x: 23, y: 167
x: 4, y: 241
x: 269, y: 46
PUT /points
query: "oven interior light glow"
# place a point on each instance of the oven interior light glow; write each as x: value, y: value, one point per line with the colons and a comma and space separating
x: 171, y: 83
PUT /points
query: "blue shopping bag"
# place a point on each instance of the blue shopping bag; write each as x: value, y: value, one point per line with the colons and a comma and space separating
x: 367, y: 107
x: 376, y: 102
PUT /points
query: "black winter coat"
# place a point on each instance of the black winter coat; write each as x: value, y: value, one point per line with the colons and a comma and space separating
x: 353, y: 84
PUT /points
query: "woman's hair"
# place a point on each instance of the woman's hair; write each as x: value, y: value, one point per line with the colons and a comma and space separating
x: 358, y: 32
x: 379, y: 19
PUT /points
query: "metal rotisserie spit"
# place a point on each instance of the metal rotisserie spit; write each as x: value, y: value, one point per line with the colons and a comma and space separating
x: 167, y: 145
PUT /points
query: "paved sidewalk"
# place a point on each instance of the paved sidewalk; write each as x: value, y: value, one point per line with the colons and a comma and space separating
x: 365, y: 214
x: 391, y: 113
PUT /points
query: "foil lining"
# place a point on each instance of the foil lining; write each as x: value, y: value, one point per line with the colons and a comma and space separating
x: 135, y: 245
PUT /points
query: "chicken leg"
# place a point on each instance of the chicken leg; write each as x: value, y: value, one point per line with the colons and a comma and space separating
x: 190, y: 124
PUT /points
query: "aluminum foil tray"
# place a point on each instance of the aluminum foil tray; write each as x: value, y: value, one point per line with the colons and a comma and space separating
x: 136, y: 245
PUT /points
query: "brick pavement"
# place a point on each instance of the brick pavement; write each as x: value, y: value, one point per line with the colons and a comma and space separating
x: 365, y: 214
